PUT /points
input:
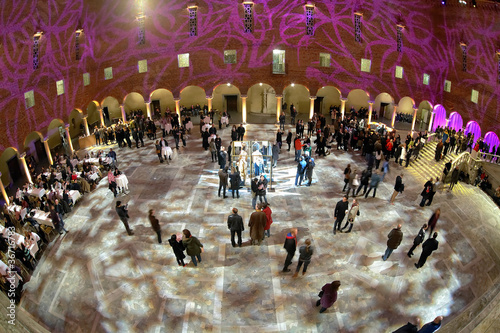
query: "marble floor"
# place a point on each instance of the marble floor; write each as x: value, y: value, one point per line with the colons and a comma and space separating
x: 96, y: 278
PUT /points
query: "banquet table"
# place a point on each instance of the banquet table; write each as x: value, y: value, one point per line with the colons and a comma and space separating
x: 43, y: 218
x: 189, y: 125
x: 94, y: 160
x: 36, y: 192
x: 73, y: 195
x: 224, y: 120
x: 168, y: 127
x: 57, y: 174
x: 18, y: 209
x: 18, y: 239
x: 122, y: 181
x: 206, y: 127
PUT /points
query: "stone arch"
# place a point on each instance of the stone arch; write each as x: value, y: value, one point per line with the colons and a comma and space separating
x: 356, y: 99
x: 165, y: 100
x: 76, y: 123
x: 261, y: 98
x: 94, y: 117
x: 6, y: 156
x: 439, y: 117
x: 383, y: 105
x: 221, y: 100
x: 455, y: 121
x: 423, y: 115
x: 33, y: 148
x: 111, y: 110
x: 331, y: 97
x: 192, y: 95
x: 474, y: 128
x: 406, y: 105
x: 298, y: 95
x: 493, y: 142
x: 134, y: 102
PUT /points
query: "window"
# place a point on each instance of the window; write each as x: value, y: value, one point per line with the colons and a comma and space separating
x: 475, y: 96
x: 464, y: 56
x: 310, y: 20
x: 36, y: 50
x: 86, y: 79
x: 108, y: 73
x: 366, y: 65
x: 183, y: 60
x: 426, y: 79
x: 399, y: 72
x: 279, y: 62
x: 230, y: 56
x: 142, y: 29
x: 447, y: 86
x: 60, y: 87
x: 193, y: 21
x: 400, y: 28
x: 142, y: 66
x: 29, y: 99
x: 248, y: 17
x: 77, y: 44
x: 324, y: 59
x: 357, y: 27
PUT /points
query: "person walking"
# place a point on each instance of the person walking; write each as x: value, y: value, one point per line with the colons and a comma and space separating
x: 213, y: 150
x: 122, y: 212
x: 428, y: 247
x: 454, y: 178
x: 57, y: 221
x: 418, y: 239
x: 426, y: 192
x: 365, y: 181
x: 394, y: 239
x: 267, y: 210
x: 193, y: 246
x: 178, y: 249
x: 155, y: 224
x: 347, y: 176
x: 328, y: 295
x: 353, y: 183
x: 262, y: 186
x: 235, y: 181
x: 340, y: 210
x: 257, y: 224
x: 305, y: 253
x: 290, y: 246
x: 374, y: 181
x: 435, y: 188
x: 399, y: 187
x: 433, y: 326
x: 351, y: 216
x: 235, y: 225
x: 433, y: 220
x: 223, y: 182
x: 289, y: 139
x: 255, y: 190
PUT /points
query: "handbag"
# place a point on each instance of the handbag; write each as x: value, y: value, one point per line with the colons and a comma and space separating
x: 158, y: 151
x: 321, y: 293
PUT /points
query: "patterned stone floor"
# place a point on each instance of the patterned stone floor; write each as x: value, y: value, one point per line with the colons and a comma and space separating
x: 98, y: 279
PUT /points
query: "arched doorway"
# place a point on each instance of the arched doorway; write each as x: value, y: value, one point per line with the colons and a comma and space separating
x: 76, y: 123
x: 261, y: 99
x: 161, y: 100
x: 94, y: 117
x: 111, y: 110
x: 327, y: 97
x: 493, y: 142
x: 10, y: 167
x: 33, y: 146
x: 423, y: 115
x: 473, y: 128
x: 404, y: 113
x: 357, y: 100
x: 456, y: 122
x: 193, y: 95
x: 382, y: 105
x: 56, y: 135
x: 439, y: 117
x: 227, y: 97
x: 298, y: 96
x: 134, y: 104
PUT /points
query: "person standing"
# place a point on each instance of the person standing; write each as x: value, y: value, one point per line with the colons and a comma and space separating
x: 222, y: 157
x: 347, y: 176
x: 418, y: 239
x: 262, y: 186
x: 305, y: 254
x: 399, y: 187
x: 235, y: 225
x: 57, y: 220
x: 257, y: 224
x: 122, y: 212
x: 351, y: 216
x: 328, y: 295
x: 282, y: 121
x: 235, y: 181
x: 267, y: 210
x: 255, y: 190
x: 435, y: 188
x: 309, y: 170
x: 290, y: 246
x: 223, y: 182
x: 433, y: 220
x: 374, y: 181
x: 241, y: 132
x: 289, y: 139
x: 340, y: 210
x: 428, y: 247
x: 213, y: 150
x: 433, y: 326
x: 454, y: 177
x: 298, y: 148
x: 178, y: 250
x: 426, y: 192
x: 301, y: 168
x: 394, y: 239
x: 193, y: 246
x: 155, y: 224
x: 276, y: 154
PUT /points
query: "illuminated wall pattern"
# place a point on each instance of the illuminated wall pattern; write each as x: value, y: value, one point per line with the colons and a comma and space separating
x: 431, y: 35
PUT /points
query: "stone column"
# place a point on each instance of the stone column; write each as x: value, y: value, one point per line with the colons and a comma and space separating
x: 47, y: 150
x: 311, y: 106
x: 244, y: 108
x: 393, y: 118
x: 279, y: 99
x: 22, y: 158
x: 148, y: 110
x: 414, y: 120
x: 370, y: 111
x: 209, y: 100
x: 342, y: 107
x: 178, y: 107
x: 101, y: 117
x: 4, y: 194
x: 124, y: 115
x: 68, y: 137
x: 430, y: 122
x: 86, y: 126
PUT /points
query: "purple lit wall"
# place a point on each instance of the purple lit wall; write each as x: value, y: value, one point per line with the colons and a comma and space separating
x: 492, y: 140
x: 473, y: 127
x: 456, y: 121
x: 439, y: 117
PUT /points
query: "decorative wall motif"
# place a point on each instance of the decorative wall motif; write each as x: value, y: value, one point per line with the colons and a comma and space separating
x: 357, y: 27
x: 248, y: 17
x: 142, y: 29
x: 36, y: 50
x: 400, y: 37
x: 309, y: 20
x: 193, y: 21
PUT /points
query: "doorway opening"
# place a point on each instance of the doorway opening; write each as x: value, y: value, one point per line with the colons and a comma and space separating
x: 231, y: 103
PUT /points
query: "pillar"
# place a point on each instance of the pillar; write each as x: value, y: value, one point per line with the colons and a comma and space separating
x: 430, y: 122
x: 244, y: 108
x: 209, y: 102
x: 393, y: 118
x: 279, y: 99
x: 101, y: 116
x: 148, y: 110
x: 178, y: 107
x: 124, y: 115
x: 342, y: 107
x: 22, y: 158
x: 311, y: 106
x: 68, y: 137
x: 414, y: 120
x: 47, y: 150
x: 4, y: 194
x: 86, y: 126
x: 370, y: 111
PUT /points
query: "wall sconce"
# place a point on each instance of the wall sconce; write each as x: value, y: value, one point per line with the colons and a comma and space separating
x: 192, y: 6
x: 293, y: 84
x: 229, y: 84
x: 248, y: 2
x: 38, y: 34
x: 260, y: 84
x: 309, y: 5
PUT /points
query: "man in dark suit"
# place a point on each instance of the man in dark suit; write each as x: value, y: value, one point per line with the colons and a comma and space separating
x: 340, y: 211
x: 235, y: 225
x: 235, y: 180
x: 222, y: 158
x: 123, y: 214
x: 428, y: 247
x: 418, y: 240
x: 241, y: 132
x: 223, y: 182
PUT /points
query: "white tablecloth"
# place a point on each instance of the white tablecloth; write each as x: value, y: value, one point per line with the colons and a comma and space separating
x: 122, y: 181
x: 58, y: 175
x: 94, y: 176
x: 189, y: 125
x: 206, y: 127
x: 43, y: 218
x: 17, y: 209
x: 224, y: 120
x: 18, y: 239
x: 168, y: 127
x: 206, y: 120
x: 74, y: 195
x: 37, y: 192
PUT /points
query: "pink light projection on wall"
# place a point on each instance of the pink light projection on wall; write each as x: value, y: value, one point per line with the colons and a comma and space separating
x: 439, y: 117
x: 456, y: 121
x: 492, y: 140
x: 473, y: 127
